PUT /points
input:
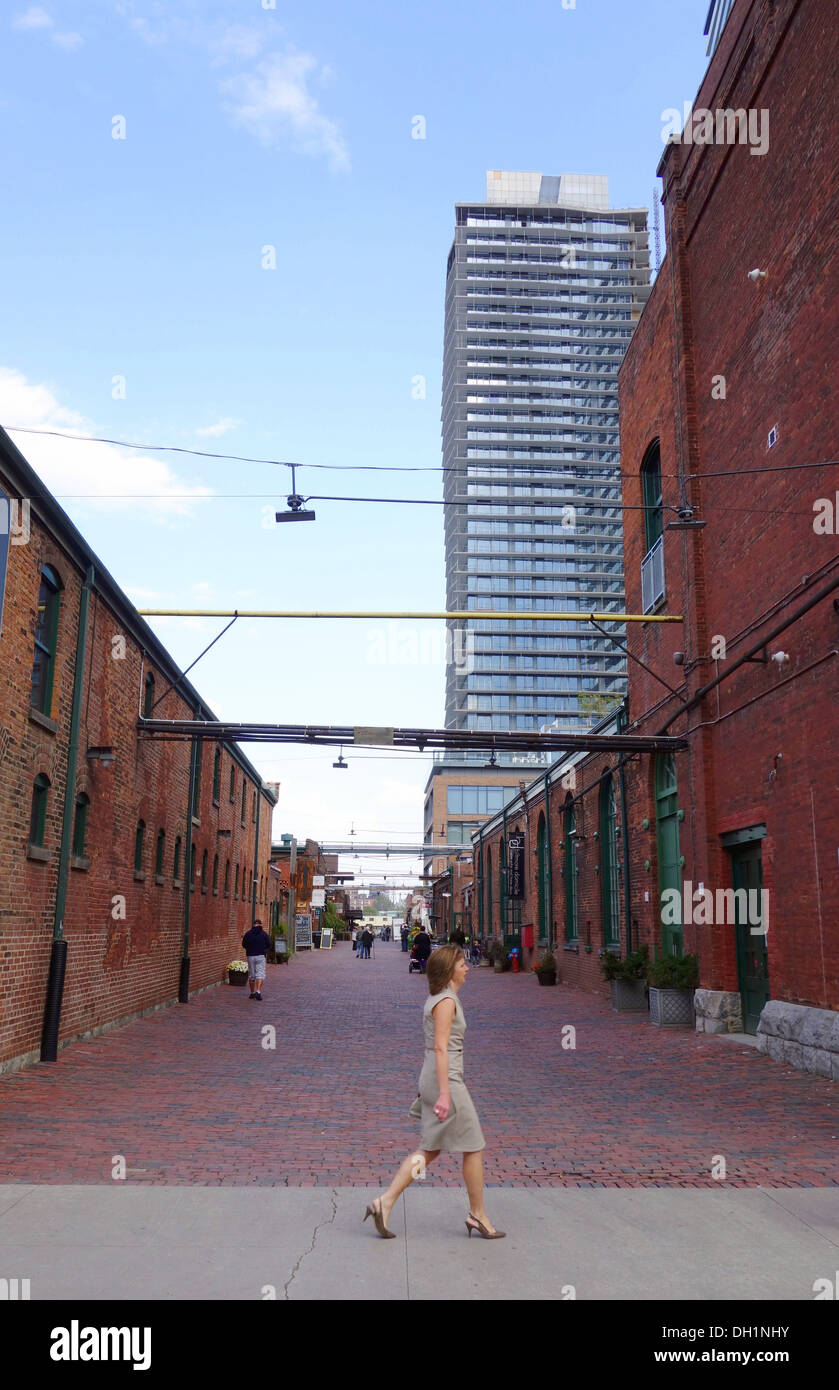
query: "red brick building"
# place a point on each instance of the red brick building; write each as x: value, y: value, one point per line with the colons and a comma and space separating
x: 729, y: 441
x: 115, y: 862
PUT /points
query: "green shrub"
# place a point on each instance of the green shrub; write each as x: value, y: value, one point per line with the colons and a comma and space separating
x: 635, y: 966
x: 674, y: 972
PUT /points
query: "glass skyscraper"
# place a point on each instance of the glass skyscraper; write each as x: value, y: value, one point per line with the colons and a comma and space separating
x: 543, y: 286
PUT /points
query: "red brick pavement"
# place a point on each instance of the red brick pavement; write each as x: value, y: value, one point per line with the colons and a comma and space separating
x: 189, y: 1095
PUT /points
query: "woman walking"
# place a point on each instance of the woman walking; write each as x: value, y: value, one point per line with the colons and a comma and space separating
x: 449, y: 1118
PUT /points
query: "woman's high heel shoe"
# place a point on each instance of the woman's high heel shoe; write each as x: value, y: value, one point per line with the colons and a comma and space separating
x: 473, y: 1224
x: 379, y: 1222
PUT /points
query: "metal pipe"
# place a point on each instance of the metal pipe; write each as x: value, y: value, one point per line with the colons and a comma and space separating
x: 476, y: 617
x: 623, y: 720
x: 183, y: 983
x: 770, y: 636
x: 58, y: 955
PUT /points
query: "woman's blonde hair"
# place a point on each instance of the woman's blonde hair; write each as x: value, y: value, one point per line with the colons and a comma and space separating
x: 440, y: 968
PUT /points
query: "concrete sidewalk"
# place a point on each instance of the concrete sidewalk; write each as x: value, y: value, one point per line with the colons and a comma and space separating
x: 163, y: 1243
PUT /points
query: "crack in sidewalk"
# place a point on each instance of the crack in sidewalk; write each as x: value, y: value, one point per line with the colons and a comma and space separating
x: 333, y: 1198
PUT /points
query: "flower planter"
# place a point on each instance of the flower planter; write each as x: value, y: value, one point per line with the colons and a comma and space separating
x: 671, y: 1008
x: 546, y: 977
x: 629, y: 996
x: 237, y: 977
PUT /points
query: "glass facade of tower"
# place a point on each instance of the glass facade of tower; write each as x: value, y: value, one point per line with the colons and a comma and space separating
x: 544, y: 285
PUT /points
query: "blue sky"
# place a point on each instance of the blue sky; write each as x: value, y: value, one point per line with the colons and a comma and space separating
x: 141, y: 258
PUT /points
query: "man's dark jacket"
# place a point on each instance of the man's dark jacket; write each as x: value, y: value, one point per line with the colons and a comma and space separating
x: 256, y: 942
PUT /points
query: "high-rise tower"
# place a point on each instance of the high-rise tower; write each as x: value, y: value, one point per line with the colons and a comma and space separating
x: 544, y: 284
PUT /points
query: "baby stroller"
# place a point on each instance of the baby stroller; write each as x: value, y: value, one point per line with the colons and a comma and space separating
x: 416, y: 961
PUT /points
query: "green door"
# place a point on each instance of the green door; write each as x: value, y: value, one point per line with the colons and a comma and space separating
x: 669, y: 861
x: 752, y: 955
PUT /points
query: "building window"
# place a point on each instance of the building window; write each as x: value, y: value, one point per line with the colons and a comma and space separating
x: 253, y: 810
x: 232, y: 783
x: 148, y: 698
x: 159, y: 852
x: 196, y: 798
x: 46, y: 637
x: 652, y: 495
x: 244, y: 789
x: 80, y: 825
x: 571, y: 933
x: 215, y: 874
x: 192, y: 868
x: 38, y: 819
x: 609, y: 862
x: 217, y: 777
x: 236, y: 889
x: 227, y: 879
x: 139, y: 845
x: 204, y: 872
x: 667, y: 848
x: 176, y: 862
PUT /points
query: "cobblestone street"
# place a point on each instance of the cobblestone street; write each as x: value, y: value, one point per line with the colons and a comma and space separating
x: 190, y: 1095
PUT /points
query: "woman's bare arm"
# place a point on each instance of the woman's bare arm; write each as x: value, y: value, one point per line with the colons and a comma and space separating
x: 443, y: 1015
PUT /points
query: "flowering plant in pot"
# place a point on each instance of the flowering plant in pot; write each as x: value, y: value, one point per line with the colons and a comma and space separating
x: 627, y: 979
x: 673, y: 980
x: 545, y: 969
x: 237, y: 972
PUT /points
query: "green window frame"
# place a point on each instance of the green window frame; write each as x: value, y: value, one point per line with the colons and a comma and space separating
x: 244, y: 790
x: 192, y: 868
x: 176, y: 860
x: 148, y: 696
x: 227, y: 879
x: 570, y: 825
x: 139, y: 845
x: 159, y: 852
x: 236, y: 888
x: 215, y: 874
x: 232, y: 793
x: 667, y: 848
x: 652, y: 495
x: 38, y: 818
x: 80, y: 824
x: 46, y: 641
x: 196, y: 790
x: 204, y: 859
x: 217, y: 777
x: 609, y: 882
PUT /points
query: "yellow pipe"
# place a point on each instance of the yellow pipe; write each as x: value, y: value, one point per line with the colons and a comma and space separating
x: 472, y: 617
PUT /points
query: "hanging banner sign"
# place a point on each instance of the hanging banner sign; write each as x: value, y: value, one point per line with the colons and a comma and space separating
x: 515, y: 867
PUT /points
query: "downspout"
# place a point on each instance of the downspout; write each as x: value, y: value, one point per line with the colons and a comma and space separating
x: 256, y: 854
x: 183, y: 983
x: 480, y: 884
x: 58, y: 956
x: 503, y: 920
x: 622, y: 722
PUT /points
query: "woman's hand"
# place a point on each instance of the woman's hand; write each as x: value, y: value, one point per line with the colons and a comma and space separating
x: 443, y: 1106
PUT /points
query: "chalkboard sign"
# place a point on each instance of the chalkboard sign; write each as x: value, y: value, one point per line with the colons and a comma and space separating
x: 326, y: 939
x: 303, y: 930
x: 515, y: 867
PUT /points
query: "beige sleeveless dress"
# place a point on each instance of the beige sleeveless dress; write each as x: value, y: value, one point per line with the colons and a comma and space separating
x: 460, y: 1132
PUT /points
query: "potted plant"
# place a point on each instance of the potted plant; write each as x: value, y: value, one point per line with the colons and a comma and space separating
x: 237, y: 972
x: 496, y: 957
x: 545, y: 969
x: 672, y: 982
x: 627, y: 979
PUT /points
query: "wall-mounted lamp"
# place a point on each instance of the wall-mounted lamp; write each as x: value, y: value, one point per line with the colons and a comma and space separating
x: 101, y: 753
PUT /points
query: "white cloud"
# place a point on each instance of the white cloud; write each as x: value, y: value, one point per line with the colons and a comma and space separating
x: 275, y: 104
x: 38, y: 18
x: 71, y: 468
x: 33, y: 18
x: 222, y: 426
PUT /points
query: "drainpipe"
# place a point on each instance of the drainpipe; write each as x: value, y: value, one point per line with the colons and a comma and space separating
x: 503, y: 920
x: 622, y: 722
x: 549, y: 864
x: 183, y: 982
x: 58, y: 956
x: 451, y: 899
x: 256, y: 854
x: 480, y: 885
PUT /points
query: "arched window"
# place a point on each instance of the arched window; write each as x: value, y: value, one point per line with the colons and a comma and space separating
x: 244, y: 789
x: 236, y: 889
x: 253, y: 809
x: 215, y: 874
x: 232, y: 783
x: 196, y: 797
x: 38, y: 818
x: 148, y: 696
x: 227, y: 879
x: 217, y: 777
x: 46, y: 640
x: 609, y: 862
x: 176, y: 861
x: 570, y: 826
x: 80, y: 825
x: 139, y: 845
x: 159, y: 853
x: 669, y: 859
x: 652, y: 494
x: 204, y: 872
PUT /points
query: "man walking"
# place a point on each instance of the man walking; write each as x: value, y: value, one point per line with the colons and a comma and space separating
x: 366, y: 942
x: 256, y: 943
